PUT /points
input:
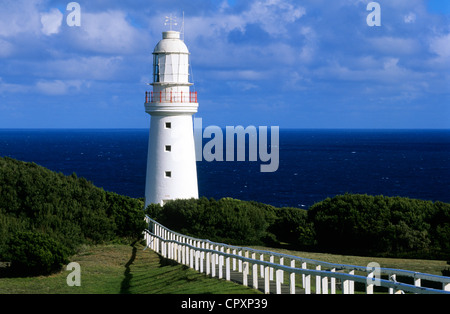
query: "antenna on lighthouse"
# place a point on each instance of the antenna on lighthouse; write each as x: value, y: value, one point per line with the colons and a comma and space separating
x: 182, y: 28
x: 171, y: 21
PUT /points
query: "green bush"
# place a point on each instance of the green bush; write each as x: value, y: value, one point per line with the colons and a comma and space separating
x: 292, y: 227
x: 378, y: 225
x: 226, y: 220
x: 69, y: 210
x: 345, y: 224
x: 33, y: 253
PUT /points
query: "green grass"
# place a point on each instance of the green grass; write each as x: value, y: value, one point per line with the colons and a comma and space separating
x: 124, y: 269
x: 418, y: 265
x: 128, y: 269
x: 434, y: 267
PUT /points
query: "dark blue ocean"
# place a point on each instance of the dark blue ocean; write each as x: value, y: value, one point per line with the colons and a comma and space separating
x: 314, y: 164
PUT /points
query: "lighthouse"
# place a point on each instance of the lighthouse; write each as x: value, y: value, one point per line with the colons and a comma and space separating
x: 171, y: 161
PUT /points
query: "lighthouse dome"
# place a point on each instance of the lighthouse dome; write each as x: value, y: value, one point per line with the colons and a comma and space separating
x: 171, y: 43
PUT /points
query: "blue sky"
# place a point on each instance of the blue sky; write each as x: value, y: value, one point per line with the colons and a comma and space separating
x: 293, y: 64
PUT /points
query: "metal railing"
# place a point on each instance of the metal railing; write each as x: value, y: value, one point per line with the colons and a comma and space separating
x: 218, y: 260
x: 171, y: 97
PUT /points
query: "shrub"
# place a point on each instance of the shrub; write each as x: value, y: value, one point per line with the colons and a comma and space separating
x: 292, y: 227
x: 226, y: 220
x: 69, y: 210
x: 378, y: 225
x: 33, y: 253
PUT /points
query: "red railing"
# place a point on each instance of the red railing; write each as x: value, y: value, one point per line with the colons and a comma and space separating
x: 171, y: 97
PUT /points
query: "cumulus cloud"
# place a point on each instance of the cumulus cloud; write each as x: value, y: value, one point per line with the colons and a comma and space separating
x: 410, y: 18
x: 108, y: 32
x: 51, y: 22
x: 441, y: 46
x: 311, y: 47
x: 87, y: 68
x: 19, y: 17
x: 273, y: 15
x: 6, y: 48
x: 395, y: 45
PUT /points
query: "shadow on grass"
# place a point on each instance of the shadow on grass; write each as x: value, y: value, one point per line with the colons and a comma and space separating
x: 125, y: 285
x: 168, y: 262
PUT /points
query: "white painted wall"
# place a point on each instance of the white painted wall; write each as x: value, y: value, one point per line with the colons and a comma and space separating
x: 180, y: 161
x: 171, y: 105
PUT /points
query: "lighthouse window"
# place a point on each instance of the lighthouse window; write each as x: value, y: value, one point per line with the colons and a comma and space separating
x: 156, y: 78
x: 168, y: 148
x: 168, y: 125
x: 168, y: 174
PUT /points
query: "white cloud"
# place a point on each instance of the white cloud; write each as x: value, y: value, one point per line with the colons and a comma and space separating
x: 85, y: 68
x: 108, y: 32
x: 12, y: 88
x: 6, y: 48
x: 308, y: 51
x: 441, y: 46
x: 19, y: 16
x: 51, y: 22
x: 395, y: 45
x: 58, y: 87
x: 273, y: 15
x: 410, y: 18
x: 47, y: 87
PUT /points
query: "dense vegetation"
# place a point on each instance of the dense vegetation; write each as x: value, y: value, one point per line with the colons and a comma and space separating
x: 45, y: 216
x: 345, y: 224
x: 377, y: 225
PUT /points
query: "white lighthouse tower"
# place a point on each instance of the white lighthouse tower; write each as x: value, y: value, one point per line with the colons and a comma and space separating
x: 171, y: 162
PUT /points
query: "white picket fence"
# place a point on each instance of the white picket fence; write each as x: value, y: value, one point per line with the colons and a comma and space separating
x: 219, y: 260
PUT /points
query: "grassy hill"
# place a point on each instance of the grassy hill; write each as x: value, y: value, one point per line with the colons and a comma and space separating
x: 123, y: 269
x: 46, y: 217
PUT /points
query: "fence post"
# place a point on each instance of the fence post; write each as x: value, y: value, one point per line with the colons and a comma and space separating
x: 202, y: 256
x: 213, y: 264
x: 393, y: 278
x: 304, y: 266
x: 261, y: 258
x: 446, y: 286
x: 245, y: 274
x: 333, y: 282
x: 325, y: 285
x: 197, y: 260
x: 307, y: 284
x: 227, y: 268
x: 282, y: 263
x: 220, y: 266
x: 292, y: 278
x: 271, y: 260
x: 179, y: 251
x: 369, y: 286
x: 208, y: 260
x: 318, y: 281
x: 279, y: 276
x: 352, y: 283
x: 254, y: 272
x: 240, y: 261
x: 266, y: 280
x: 417, y: 282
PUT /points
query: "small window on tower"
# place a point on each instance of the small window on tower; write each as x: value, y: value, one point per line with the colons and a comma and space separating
x: 168, y: 174
x: 168, y: 148
x: 168, y: 125
x: 156, y: 75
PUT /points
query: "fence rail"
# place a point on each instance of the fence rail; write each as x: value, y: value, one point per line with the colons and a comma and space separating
x: 219, y: 260
x: 171, y: 97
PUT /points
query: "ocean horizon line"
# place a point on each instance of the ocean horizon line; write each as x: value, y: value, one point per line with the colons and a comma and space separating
x: 281, y: 129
